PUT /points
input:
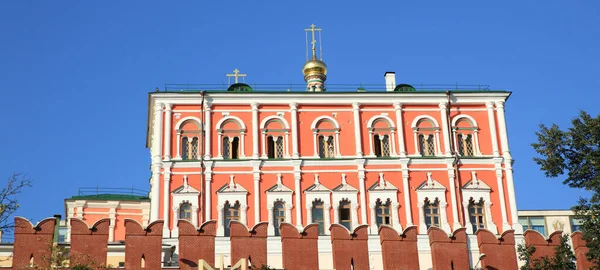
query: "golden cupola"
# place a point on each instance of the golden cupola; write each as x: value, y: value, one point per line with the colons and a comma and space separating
x: 314, y: 70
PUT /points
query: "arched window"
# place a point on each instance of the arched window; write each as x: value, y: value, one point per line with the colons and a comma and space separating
x: 432, y: 213
x: 278, y: 216
x: 275, y: 133
x: 477, y: 214
x: 381, y: 136
x: 426, y: 133
x: 231, y: 212
x: 231, y: 132
x: 188, y: 140
x: 185, y: 211
x: 326, y: 135
x: 318, y: 215
x: 465, y: 136
x: 383, y: 213
x: 345, y: 214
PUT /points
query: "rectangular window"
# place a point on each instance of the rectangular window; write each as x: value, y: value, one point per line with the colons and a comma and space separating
x: 383, y: 214
x: 345, y: 216
x: 317, y: 217
x: 575, y: 224
x: 533, y: 223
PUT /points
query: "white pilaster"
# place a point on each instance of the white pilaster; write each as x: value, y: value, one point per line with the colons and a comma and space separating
x: 327, y: 217
x: 406, y: 195
x: 155, y: 199
x: 243, y: 145
x: 354, y: 215
x: 207, y: 195
x: 112, y: 214
x: 374, y: 227
x: 511, y: 197
x: 156, y: 149
x: 357, y: 127
x: 505, y: 225
x: 492, y: 120
x: 220, y: 228
x: 294, y: 113
x: 298, y: 197
x: 309, y: 213
x: 178, y: 156
x: 243, y: 214
x: 456, y: 221
x: 444, y: 128
x: 207, y: 130
x: 271, y: 228
x: 502, y: 127
x: 400, y: 127
x: 166, y: 199
x: 422, y: 225
x: 395, y: 218
x: 371, y: 151
x: 363, y: 192
x: 257, y: 198
x: 175, y: 231
x: 255, y: 131
x: 337, y: 144
x: 168, y: 117
x: 437, y: 143
x: 393, y: 139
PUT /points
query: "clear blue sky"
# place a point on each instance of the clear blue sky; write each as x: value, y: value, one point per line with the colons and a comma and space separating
x: 75, y: 74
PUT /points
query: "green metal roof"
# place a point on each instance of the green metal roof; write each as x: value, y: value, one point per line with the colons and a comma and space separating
x: 111, y: 197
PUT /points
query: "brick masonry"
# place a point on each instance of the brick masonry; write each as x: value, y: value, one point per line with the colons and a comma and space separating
x: 399, y: 251
x: 543, y: 246
x: 500, y: 251
x: 300, y: 248
x: 143, y: 243
x: 249, y: 244
x: 32, y: 242
x: 196, y: 243
x: 89, y: 244
x: 580, y: 251
x: 449, y: 252
x: 350, y: 249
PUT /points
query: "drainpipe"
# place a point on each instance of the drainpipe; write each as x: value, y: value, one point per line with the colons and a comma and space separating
x: 201, y: 145
x: 457, y: 182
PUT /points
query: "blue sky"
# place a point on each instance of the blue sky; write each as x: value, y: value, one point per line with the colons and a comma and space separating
x: 75, y: 74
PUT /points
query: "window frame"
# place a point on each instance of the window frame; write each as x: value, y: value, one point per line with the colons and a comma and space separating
x: 279, y: 216
x: 473, y: 208
x: 228, y: 209
x: 380, y: 216
x: 431, y: 206
x: 528, y: 225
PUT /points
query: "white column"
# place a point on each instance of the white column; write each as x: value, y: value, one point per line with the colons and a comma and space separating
x: 178, y: 156
x: 271, y: 228
x: 220, y: 145
x: 168, y: 130
x: 166, y: 199
x: 444, y: 216
x: 444, y: 128
x: 298, y: 197
x: 243, y: 214
x: 422, y: 225
x: 502, y: 127
x: 255, y: 132
x: 492, y: 120
x: 207, y: 130
x: 354, y: 215
x: 416, y: 140
x: 257, y: 198
x: 336, y: 213
x: 315, y: 144
x: 337, y: 144
x: 407, y: 197
x: 264, y: 144
x: 456, y: 221
x: 395, y: 218
x: 326, y: 215
x: 468, y: 224
x: 175, y: 231
x: 363, y: 196
x: 476, y: 138
x: 220, y: 228
x: 207, y: 195
x: 111, y: 226
x: 488, y: 217
x: 243, y: 144
x: 393, y: 139
x: 437, y: 143
x: 294, y: 113
x: 357, y: 128
x: 511, y: 197
x: 288, y: 212
x: 374, y: 228
x: 371, y: 151
x: 455, y: 139
x: 308, y: 213
x: 505, y: 225
x: 156, y: 161
x: 287, y: 145
x: 400, y: 126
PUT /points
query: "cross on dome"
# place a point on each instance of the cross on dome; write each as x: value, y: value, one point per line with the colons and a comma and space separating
x: 236, y: 74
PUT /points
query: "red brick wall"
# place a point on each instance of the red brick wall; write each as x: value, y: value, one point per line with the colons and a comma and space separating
x: 146, y: 243
x: 88, y: 245
x: 446, y: 252
x: 32, y: 241
x: 580, y: 251
x: 300, y: 249
x: 542, y: 246
x: 350, y: 248
x: 500, y: 253
x: 249, y: 244
x: 399, y: 251
x: 196, y: 244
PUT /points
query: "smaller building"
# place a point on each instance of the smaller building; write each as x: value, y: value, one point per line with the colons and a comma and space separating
x: 548, y: 221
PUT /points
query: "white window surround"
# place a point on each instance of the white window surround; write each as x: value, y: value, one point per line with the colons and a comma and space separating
x: 336, y: 131
x: 242, y: 130
x: 279, y: 193
x: 265, y: 132
x: 416, y: 134
x: 198, y: 123
x: 475, y: 131
x: 384, y: 191
x: 231, y: 193
x: 345, y: 192
x: 318, y: 192
x: 392, y: 136
x: 432, y: 189
x: 477, y: 190
x: 181, y: 195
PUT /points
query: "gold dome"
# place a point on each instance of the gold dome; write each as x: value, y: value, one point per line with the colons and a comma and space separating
x: 314, y: 67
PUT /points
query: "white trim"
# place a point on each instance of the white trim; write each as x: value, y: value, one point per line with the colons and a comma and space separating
x: 477, y: 189
x: 460, y: 116
x: 269, y: 118
x: 424, y: 116
x: 432, y: 190
x: 314, y: 123
x: 387, y: 118
x: 220, y: 123
x: 182, y: 120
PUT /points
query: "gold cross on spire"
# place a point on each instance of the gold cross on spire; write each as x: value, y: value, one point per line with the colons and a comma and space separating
x: 236, y: 74
x: 313, y: 29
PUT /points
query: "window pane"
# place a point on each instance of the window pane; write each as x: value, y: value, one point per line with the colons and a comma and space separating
x: 345, y: 214
x: 537, y: 221
x: 346, y: 224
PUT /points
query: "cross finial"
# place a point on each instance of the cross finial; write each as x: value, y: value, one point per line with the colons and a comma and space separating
x: 313, y: 29
x: 236, y: 74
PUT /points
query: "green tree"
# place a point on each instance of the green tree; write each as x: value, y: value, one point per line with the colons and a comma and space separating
x: 574, y: 153
x: 563, y: 259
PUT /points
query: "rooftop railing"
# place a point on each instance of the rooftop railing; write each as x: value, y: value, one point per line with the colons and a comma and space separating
x: 329, y: 87
x: 93, y: 191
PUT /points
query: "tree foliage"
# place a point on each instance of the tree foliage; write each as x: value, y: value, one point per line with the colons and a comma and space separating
x: 8, y: 199
x: 574, y: 153
x: 563, y: 259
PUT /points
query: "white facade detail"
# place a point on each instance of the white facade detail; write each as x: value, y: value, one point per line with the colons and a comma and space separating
x: 279, y: 193
x: 345, y: 192
x: 384, y: 191
x: 184, y: 194
x: 432, y: 190
x: 314, y: 193
x: 477, y: 190
x: 231, y: 193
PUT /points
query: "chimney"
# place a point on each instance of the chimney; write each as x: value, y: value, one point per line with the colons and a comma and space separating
x: 390, y: 81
